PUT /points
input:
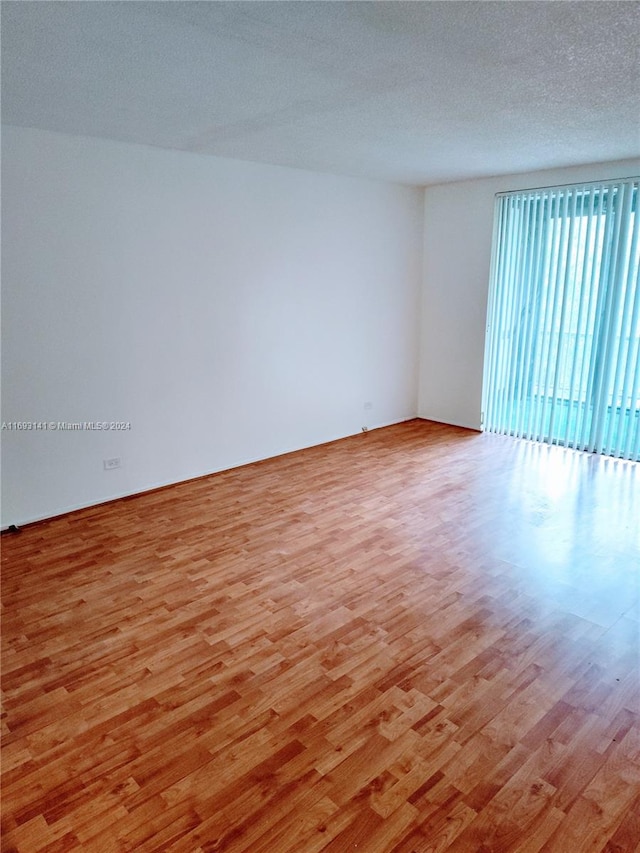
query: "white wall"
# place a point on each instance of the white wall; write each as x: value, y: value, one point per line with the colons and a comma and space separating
x: 230, y: 311
x: 458, y: 228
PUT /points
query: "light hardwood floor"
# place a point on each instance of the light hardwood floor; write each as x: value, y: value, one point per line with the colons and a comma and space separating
x: 419, y: 639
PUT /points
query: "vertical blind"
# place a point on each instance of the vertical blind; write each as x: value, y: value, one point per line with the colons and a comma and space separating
x: 562, y: 359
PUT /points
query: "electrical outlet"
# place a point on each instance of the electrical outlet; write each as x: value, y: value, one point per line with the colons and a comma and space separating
x: 110, y: 464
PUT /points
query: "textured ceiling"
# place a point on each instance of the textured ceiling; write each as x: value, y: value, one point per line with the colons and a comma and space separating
x: 415, y: 92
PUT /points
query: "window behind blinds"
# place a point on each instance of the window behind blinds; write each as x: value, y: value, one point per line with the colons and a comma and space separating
x: 562, y: 361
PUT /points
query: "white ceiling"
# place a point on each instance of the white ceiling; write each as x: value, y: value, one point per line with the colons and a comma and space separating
x: 414, y: 92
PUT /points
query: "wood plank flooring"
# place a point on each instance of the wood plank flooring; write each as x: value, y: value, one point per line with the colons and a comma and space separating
x: 418, y: 639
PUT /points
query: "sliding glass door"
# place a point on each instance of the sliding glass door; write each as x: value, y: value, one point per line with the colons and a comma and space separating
x: 562, y: 360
